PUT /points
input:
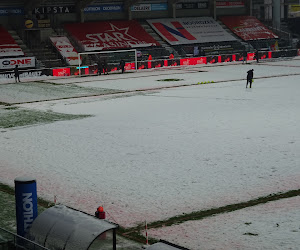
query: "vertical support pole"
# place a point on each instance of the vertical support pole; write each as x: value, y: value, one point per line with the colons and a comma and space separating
x: 114, y: 239
x: 79, y: 64
x: 135, y: 58
x: 276, y: 14
x: 174, y: 10
x: 213, y: 9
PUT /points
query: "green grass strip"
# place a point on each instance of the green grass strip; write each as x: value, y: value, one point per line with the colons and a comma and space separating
x: 13, y: 117
x: 9, y: 190
x: 135, y: 232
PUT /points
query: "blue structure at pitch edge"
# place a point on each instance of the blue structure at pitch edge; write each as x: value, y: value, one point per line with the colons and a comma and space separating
x: 26, y: 203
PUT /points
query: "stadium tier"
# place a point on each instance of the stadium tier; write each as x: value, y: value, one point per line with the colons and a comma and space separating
x: 8, y: 46
x: 248, y: 28
x: 110, y: 35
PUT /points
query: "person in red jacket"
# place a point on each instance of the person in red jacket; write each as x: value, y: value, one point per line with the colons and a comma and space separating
x: 100, y: 214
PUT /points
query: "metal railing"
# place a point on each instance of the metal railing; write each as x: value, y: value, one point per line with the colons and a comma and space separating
x: 9, y: 240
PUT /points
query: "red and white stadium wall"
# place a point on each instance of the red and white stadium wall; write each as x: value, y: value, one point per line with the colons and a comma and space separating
x: 89, y: 70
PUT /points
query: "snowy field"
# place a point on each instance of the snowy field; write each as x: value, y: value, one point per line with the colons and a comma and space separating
x: 150, y: 155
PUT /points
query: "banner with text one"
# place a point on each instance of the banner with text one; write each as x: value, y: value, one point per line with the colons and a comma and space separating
x: 190, y: 30
x: 66, y: 49
x: 247, y: 27
x: 8, y: 45
x: 110, y: 35
x: 22, y: 62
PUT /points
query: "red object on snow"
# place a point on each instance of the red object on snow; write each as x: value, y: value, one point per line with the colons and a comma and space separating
x: 100, y: 214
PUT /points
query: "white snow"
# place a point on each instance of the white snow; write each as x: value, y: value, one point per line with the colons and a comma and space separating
x: 156, y: 154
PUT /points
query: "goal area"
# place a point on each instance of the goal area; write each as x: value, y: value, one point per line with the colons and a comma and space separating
x: 88, y: 65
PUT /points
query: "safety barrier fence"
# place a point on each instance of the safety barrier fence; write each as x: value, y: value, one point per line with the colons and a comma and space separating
x: 130, y: 66
x: 9, y: 240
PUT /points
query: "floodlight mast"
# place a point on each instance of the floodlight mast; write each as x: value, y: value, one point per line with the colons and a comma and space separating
x: 106, y: 52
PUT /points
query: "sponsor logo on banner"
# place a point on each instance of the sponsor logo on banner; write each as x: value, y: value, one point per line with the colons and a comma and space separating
x: 247, y: 27
x: 190, y: 30
x: 111, y: 35
x: 66, y: 49
x: 61, y: 72
x: 11, y: 11
x: 27, y: 74
x: 150, y: 7
x: 230, y: 4
x: 141, y: 7
x: 294, y: 10
x: 192, y: 5
x: 159, y: 6
x: 54, y: 10
x: 22, y: 62
x: 104, y: 8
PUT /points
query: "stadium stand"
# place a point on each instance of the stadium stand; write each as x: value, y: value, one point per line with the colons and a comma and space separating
x: 8, y: 45
x: 32, y: 22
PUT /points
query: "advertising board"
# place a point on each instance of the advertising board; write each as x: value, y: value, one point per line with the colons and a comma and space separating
x: 22, y: 62
x: 178, y: 31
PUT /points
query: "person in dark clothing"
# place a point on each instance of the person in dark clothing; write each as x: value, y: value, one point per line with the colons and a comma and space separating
x: 256, y: 55
x: 245, y: 56
x: 104, y: 65
x: 249, y: 77
x: 122, y: 65
x: 100, y: 68
x: 17, y: 73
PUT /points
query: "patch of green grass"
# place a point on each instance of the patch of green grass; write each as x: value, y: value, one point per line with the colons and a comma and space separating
x: 251, y: 234
x: 4, y: 103
x: 11, y: 108
x: 8, y: 212
x: 8, y: 207
x: 170, y: 80
x: 24, y: 117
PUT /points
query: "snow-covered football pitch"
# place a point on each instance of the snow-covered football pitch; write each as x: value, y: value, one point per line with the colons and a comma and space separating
x: 150, y: 151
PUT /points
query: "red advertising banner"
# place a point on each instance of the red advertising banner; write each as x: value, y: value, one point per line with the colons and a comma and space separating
x: 8, y: 46
x: 111, y: 35
x: 61, y: 72
x: 193, y: 61
x: 66, y: 49
x: 247, y: 27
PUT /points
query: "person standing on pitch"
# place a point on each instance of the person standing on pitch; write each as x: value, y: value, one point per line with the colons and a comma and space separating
x: 17, y: 73
x: 122, y: 65
x: 249, y: 77
x: 245, y: 56
x: 256, y: 55
x: 100, y: 68
x: 104, y: 66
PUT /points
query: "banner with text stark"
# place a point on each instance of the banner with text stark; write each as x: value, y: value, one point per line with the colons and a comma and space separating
x: 190, y: 30
x: 108, y: 35
x: 8, y: 45
x: 247, y: 27
x: 66, y: 49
